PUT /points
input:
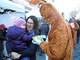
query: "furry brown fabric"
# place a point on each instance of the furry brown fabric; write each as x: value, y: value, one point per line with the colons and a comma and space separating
x: 34, y: 2
x: 59, y: 45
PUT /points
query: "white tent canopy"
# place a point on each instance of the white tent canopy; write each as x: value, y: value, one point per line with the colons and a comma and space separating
x: 18, y: 7
x: 5, y: 4
x: 34, y: 12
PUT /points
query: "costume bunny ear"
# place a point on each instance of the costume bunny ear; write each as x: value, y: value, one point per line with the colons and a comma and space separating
x: 35, y: 2
x: 44, y: 0
x: 40, y: 3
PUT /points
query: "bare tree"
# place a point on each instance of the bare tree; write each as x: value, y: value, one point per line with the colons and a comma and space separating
x: 74, y: 12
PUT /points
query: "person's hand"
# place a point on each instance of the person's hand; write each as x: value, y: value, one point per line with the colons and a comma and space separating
x: 38, y: 39
x: 36, y: 42
x: 43, y: 37
x: 15, y: 55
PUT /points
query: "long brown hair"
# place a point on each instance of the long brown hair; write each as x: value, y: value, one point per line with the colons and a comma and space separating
x: 35, y: 20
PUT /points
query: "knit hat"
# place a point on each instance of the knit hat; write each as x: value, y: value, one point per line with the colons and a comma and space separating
x: 18, y: 21
x: 2, y: 26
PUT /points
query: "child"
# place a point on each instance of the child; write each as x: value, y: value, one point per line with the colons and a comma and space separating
x: 18, y: 37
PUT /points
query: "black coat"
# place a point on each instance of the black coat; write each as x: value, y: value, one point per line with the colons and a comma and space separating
x: 32, y: 48
x: 2, y: 38
x: 78, y: 32
x: 30, y: 51
x: 44, y: 29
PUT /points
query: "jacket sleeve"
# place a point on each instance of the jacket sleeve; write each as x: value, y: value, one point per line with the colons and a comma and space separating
x: 31, y: 50
x: 27, y: 37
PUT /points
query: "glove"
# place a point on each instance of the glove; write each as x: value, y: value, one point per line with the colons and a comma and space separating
x: 46, y: 39
x: 38, y: 39
x: 15, y: 55
x: 36, y: 42
x: 43, y: 37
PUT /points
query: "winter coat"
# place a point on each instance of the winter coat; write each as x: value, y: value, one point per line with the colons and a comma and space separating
x: 33, y: 31
x: 2, y: 38
x: 5, y: 31
x: 44, y: 29
x: 30, y: 51
x: 78, y: 32
x: 32, y: 48
x: 18, y: 38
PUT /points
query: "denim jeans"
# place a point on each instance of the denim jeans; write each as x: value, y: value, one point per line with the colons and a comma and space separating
x: 25, y: 58
x: 5, y: 49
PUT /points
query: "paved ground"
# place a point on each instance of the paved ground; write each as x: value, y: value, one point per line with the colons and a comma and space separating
x: 76, y: 55
x: 40, y: 57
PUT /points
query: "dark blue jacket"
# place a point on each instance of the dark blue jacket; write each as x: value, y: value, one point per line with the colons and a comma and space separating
x: 2, y: 38
x: 30, y: 51
x: 32, y: 48
x: 18, y: 38
x: 44, y: 29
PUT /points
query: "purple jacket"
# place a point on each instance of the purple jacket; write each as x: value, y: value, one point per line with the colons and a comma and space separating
x: 18, y: 38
